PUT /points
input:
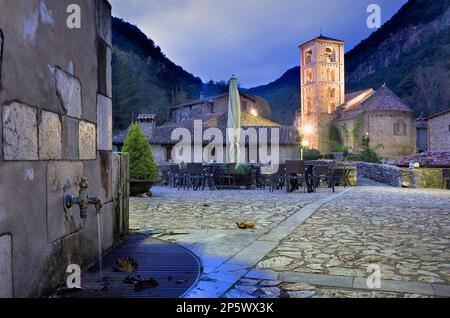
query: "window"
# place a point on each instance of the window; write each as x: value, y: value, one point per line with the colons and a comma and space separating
x: 244, y: 105
x: 333, y: 75
x: 308, y: 57
x: 308, y: 107
x: 211, y: 107
x: 332, y: 92
x: 169, y: 153
x: 309, y: 76
x: 331, y: 108
x: 330, y: 55
x: 400, y: 128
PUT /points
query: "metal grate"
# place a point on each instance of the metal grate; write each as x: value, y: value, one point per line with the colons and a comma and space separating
x: 174, y: 268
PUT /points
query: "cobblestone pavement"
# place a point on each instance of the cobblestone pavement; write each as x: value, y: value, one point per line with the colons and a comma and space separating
x: 170, y: 209
x: 406, y: 232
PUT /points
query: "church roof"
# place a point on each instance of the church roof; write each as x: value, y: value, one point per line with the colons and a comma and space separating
x: 385, y: 99
x: 323, y: 38
x: 369, y: 100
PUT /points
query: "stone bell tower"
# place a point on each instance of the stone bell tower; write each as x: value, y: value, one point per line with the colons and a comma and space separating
x: 322, y: 88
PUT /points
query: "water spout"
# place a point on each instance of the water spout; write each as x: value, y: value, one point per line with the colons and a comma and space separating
x: 100, y: 261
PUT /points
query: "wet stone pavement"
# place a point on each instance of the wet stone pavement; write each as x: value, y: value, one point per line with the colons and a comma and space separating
x: 170, y: 209
x: 308, y: 245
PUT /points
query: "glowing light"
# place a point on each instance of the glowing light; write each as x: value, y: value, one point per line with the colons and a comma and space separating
x: 305, y: 144
x: 308, y: 129
x: 254, y: 112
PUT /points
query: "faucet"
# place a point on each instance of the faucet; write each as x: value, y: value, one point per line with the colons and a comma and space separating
x: 83, y: 200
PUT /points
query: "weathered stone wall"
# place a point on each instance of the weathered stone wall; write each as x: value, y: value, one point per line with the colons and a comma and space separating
x: 387, y: 174
x: 439, y: 132
x: 380, y: 126
x: 55, y: 127
x: 401, y: 177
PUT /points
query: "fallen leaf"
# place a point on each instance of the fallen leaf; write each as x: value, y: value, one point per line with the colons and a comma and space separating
x: 128, y: 265
x: 245, y: 226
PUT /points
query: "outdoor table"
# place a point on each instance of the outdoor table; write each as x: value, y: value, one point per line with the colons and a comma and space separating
x: 309, y: 179
x: 346, y: 171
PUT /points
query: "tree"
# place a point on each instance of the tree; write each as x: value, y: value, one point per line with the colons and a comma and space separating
x: 142, y: 163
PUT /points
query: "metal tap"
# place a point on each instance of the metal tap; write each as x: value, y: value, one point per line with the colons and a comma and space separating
x: 84, y: 200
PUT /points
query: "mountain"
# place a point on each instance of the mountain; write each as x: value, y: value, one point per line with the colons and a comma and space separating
x: 410, y: 53
x: 144, y: 79
x: 283, y: 96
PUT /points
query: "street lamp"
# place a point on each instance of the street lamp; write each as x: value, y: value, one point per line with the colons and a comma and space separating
x: 254, y: 112
x: 305, y: 145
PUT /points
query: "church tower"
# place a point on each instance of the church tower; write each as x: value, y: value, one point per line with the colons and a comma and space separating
x: 322, y: 88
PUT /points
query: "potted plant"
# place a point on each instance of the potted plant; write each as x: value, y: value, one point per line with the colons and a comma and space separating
x: 244, y: 177
x: 143, y: 169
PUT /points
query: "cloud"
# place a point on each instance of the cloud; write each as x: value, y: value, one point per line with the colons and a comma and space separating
x: 255, y: 39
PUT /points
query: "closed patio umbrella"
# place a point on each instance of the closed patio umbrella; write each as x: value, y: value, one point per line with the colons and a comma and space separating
x: 234, y: 122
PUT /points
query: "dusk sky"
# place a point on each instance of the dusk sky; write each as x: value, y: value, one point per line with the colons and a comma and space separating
x: 255, y: 39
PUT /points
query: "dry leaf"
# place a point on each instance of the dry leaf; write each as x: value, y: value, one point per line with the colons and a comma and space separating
x: 128, y: 265
x: 245, y: 226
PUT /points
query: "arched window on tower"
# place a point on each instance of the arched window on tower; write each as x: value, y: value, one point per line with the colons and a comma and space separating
x: 333, y: 75
x: 330, y: 55
x: 331, y: 108
x: 309, y: 76
x: 328, y: 74
x: 332, y: 92
x: 308, y: 57
x: 309, y: 107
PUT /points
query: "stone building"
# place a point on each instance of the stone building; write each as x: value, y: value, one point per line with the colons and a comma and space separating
x: 208, y: 106
x: 160, y: 137
x: 324, y: 104
x: 438, y: 127
x: 55, y: 127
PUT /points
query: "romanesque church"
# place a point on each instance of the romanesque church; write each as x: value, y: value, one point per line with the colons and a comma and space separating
x: 325, y: 106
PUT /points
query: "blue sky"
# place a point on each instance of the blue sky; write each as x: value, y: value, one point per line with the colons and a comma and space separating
x: 255, y: 39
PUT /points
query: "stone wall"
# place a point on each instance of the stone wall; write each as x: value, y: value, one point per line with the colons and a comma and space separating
x: 387, y: 174
x: 55, y: 127
x: 401, y: 177
x: 439, y: 132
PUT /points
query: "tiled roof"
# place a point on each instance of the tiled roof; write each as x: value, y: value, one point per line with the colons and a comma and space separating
x: 206, y: 99
x: 324, y: 38
x: 146, y: 117
x: 162, y: 135
x: 437, y: 159
x: 368, y: 100
x: 385, y: 99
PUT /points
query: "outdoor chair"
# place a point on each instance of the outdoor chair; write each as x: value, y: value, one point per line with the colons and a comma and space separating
x: 165, y: 175
x: 446, y: 179
x: 175, y: 176
x: 277, y: 180
x: 227, y: 174
x: 323, y: 174
x: 194, y: 176
x: 295, y: 175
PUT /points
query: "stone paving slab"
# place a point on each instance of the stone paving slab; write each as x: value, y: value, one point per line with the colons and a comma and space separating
x: 314, y: 279
x: 441, y: 290
x: 398, y: 286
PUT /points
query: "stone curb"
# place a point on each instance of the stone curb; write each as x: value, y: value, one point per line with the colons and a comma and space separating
x: 439, y: 290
